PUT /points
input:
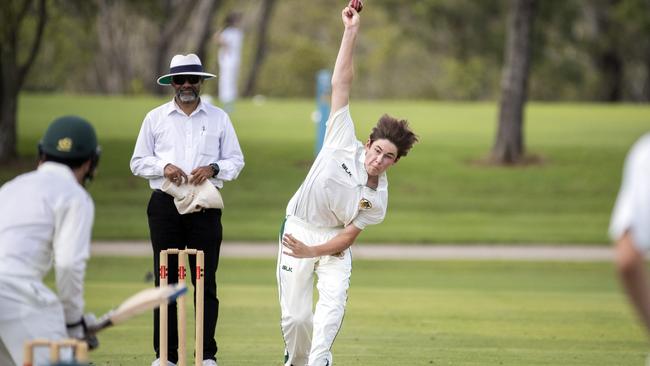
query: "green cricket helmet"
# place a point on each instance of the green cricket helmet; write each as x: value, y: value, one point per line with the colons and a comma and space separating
x: 70, y: 137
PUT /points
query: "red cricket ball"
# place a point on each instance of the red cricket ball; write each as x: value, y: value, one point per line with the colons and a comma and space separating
x: 356, y: 4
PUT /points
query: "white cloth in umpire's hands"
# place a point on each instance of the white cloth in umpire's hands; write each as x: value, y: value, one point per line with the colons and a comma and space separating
x: 190, y: 198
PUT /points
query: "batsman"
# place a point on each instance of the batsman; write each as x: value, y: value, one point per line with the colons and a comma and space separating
x: 345, y: 191
x: 46, y: 217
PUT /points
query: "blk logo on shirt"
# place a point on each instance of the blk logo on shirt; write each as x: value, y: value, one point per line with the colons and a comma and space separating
x: 345, y: 167
x: 287, y: 268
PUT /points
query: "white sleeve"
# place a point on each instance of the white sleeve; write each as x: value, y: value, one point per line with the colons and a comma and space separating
x: 375, y: 214
x: 370, y: 217
x: 144, y: 163
x: 71, y: 245
x: 231, y: 161
x: 632, y: 209
x: 339, y: 131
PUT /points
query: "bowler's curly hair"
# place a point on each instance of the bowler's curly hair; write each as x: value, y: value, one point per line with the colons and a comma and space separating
x: 396, y: 131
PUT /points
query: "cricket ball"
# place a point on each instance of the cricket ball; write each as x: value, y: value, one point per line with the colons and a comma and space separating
x: 356, y: 4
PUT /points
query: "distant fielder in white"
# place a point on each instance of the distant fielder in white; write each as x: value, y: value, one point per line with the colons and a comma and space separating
x: 630, y: 227
x: 230, y: 42
x: 46, y: 217
x: 344, y: 191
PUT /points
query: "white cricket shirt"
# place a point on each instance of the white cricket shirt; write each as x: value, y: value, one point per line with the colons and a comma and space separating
x: 632, y: 209
x: 334, y: 193
x: 46, y: 219
x: 168, y: 135
x: 230, y: 52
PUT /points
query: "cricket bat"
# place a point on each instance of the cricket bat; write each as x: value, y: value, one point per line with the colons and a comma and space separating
x: 140, y: 302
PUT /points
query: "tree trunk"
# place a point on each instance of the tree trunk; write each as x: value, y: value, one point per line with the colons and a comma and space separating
x: 114, y: 69
x: 8, y: 100
x: 607, y: 58
x: 509, y: 146
x: 205, y: 14
x: 12, y: 72
x: 8, y: 137
x: 611, y: 69
x: 645, y: 92
x: 175, y: 16
x: 262, y: 43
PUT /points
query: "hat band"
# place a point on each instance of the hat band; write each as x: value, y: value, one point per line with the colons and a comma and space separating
x: 186, y: 68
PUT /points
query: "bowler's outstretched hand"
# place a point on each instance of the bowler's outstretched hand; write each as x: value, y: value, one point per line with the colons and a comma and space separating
x: 356, y: 5
x: 350, y: 17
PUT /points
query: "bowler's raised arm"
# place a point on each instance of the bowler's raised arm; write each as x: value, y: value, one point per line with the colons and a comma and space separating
x: 344, y: 67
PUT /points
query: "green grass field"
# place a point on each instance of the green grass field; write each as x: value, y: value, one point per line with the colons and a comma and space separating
x: 437, y: 193
x: 416, y: 313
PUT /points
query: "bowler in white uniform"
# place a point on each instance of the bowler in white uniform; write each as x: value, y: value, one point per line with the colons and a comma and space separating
x: 630, y: 228
x: 345, y: 191
x: 46, y: 217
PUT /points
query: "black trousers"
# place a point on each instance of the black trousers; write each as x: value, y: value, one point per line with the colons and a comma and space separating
x: 200, y: 230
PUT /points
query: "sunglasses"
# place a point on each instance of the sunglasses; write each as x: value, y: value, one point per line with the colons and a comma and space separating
x: 180, y: 79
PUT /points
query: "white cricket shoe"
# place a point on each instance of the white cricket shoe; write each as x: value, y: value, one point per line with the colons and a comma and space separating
x: 209, y: 363
x: 157, y: 363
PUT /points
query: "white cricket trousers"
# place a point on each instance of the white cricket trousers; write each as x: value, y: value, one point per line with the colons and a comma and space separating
x: 28, y: 310
x: 308, y: 335
x: 228, y: 73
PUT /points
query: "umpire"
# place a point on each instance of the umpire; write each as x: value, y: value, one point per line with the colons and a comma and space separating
x: 186, y: 141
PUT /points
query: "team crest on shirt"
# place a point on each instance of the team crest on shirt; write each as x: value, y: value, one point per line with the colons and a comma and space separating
x: 364, y: 204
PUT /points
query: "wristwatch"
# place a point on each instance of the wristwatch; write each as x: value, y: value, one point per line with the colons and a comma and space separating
x: 215, y: 169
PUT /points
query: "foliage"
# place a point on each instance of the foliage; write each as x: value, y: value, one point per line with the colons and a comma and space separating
x: 414, y: 312
x: 440, y: 193
x: 440, y: 49
x: 69, y: 44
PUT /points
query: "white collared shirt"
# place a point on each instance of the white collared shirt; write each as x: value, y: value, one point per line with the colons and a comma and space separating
x: 632, y: 210
x: 168, y: 135
x: 46, y: 219
x: 334, y: 193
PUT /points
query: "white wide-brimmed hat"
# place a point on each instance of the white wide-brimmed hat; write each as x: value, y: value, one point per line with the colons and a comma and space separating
x: 184, y: 65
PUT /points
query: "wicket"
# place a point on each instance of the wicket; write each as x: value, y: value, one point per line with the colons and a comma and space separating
x: 164, y: 315
x: 79, y: 347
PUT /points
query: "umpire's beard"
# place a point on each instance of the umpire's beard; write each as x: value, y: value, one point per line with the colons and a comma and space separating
x: 188, y: 95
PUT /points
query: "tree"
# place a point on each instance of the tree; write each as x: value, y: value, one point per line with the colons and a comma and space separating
x: 629, y: 26
x: 605, y: 43
x: 16, y: 18
x: 114, y: 61
x: 127, y: 46
x: 174, y: 17
x: 202, y: 30
x: 509, y: 145
x: 262, y: 42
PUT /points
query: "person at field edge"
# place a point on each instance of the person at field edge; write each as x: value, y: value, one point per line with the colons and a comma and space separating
x: 630, y: 228
x: 344, y: 192
x: 230, y: 41
x: 186, y: 141
x: 46, y: 219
